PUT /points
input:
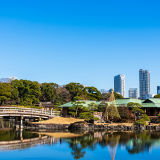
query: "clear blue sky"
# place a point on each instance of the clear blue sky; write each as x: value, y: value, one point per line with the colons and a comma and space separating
x: 86, y: 41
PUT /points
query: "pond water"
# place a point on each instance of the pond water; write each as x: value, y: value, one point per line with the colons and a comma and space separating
x: 86, y: 146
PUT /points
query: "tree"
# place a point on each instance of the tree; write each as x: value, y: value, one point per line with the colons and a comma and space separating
x: 48, y: 92
x: 157, y: 96
x: 62, y: 95
x: 106, y: 96
x: 136, y: 109
x: 140, y: 116
x: 76, y: 90
x: 76, y: 108
x: 5, y: 92
x: 111, y: 112
x: 125, y: 113
x: 118, y: 96
x: 93, y: 93
x: 25, y: 92
x: 14, y: 91
x: 88, y: 116
x: 93, y: 106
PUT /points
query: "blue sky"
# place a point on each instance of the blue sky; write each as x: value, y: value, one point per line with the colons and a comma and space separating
x: 86, y: 41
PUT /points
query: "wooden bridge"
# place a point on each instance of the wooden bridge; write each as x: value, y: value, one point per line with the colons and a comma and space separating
x: 28, y: 112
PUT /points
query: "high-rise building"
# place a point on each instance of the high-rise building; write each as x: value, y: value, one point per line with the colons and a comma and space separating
x: 133, y: 93
x: 144, y: 83
x: 119, y: 84
x: 158, y: 89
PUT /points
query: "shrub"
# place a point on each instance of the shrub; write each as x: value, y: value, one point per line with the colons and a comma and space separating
x: 88, y: 116
x: 144, y: 119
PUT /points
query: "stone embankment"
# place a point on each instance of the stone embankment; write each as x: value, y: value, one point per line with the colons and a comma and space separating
x: 88, y: 126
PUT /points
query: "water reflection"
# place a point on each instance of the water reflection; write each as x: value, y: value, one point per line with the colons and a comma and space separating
x: 132, y: 142
x: 80, y: 144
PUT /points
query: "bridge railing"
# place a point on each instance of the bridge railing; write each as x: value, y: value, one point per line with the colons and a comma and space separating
x: 43, y: 111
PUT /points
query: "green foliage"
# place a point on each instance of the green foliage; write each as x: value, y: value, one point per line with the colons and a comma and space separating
x: 48, y: 92
x: 125, y: 113
x: 157, y: 96
x: 101, y: 107
x: 88, y: 116
x: 93, y: 106
x: 79, y: 110
x: 25, y: 92
x: 118, y: 96
x: 3, y: 99
x: 92, y: 93
x: 140, y: 116
x: 75, y: 90
x: 140, y: 121
x: 5, y: 92
x: 144, y: 119
x: 105, y: 96
x: 132, y: 105
x: 76, y: 108
x: 79, y: 92
x: 111, y: 112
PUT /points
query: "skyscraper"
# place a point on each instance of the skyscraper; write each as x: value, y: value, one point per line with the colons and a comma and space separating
x: 133, y: 93
x: 158, y: 89
x: 144, y: 83
x: 119, y: 84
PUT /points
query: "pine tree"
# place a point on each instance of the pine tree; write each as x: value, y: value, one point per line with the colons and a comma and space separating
x: 111, y: 112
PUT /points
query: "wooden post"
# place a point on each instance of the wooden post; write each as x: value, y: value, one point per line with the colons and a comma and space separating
x: 51, y: 111
x: 21, y: 122
x: 21, y: 134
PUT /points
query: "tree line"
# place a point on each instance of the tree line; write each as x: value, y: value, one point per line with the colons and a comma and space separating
x: 26, y: 92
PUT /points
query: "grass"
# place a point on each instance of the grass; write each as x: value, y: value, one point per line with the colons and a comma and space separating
x: 60, y: 120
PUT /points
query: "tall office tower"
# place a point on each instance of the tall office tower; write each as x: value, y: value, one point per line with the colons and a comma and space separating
x: 158, y: 89
x: 133, y: 93
x: 119, y: 84
x: 144, y: 83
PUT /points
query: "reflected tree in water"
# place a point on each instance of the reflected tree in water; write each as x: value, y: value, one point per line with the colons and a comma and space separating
x: 140, y: 143
x: 78, y: 145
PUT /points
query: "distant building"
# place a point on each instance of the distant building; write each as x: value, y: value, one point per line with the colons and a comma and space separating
x: 103, y: 91
x: 148, y: 96
x: 158, y: 89
x: 110, y: 90
x: 144, y: 83
x: 119, y: 84
x: 133, y: 93
x: 7, y: 80
x: 45, y: 104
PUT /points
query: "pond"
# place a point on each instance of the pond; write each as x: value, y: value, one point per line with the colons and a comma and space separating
x: 85, y: 146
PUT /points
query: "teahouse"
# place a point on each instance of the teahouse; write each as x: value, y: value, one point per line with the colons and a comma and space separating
x: 150, y: 106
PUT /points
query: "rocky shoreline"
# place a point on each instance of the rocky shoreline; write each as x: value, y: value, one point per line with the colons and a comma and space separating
x: 83, y: 126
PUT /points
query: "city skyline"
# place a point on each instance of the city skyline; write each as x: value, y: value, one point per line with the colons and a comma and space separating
x: 126, y: 92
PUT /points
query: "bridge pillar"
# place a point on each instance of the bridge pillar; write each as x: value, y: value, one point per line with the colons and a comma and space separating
x: 21, y: 122
x: 40, y: 119
x: 51, y: 111
x: 21, y: 134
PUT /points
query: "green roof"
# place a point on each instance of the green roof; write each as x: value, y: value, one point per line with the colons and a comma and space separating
x: 125, y: 101
x: 152, y: 102
x: 85, y: 104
